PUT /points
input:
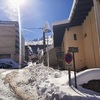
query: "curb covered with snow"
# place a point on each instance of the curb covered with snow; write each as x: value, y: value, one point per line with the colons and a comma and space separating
x: 87, y: 75
x: 84, y: 77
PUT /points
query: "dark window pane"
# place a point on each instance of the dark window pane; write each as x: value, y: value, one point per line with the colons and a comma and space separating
x: 75, y: 37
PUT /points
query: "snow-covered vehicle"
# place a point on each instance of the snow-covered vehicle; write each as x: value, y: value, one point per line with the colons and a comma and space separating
x: 8, y: 63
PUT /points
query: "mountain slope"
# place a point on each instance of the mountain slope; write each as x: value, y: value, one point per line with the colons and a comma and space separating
x: 40, y: 41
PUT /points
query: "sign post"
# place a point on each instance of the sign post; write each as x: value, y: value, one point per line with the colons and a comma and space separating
x: 74, y: 70
x: 73, y: 50
x: 68, y: 59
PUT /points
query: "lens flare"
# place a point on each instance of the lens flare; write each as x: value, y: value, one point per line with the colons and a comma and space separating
x: 14, y: 3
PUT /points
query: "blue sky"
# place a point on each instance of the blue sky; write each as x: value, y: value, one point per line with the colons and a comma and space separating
x: 34, y: 14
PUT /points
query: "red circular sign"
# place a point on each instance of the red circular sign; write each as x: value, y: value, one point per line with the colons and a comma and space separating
x: 68, y: 58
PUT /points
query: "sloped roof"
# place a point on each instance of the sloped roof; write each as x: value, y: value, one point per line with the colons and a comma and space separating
x: 77, y: 16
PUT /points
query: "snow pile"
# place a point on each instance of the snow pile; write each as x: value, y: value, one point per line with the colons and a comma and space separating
x: 6, y: 92
x: 37, y: 82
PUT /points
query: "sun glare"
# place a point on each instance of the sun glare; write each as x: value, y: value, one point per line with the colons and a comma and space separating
x: 17, y: 2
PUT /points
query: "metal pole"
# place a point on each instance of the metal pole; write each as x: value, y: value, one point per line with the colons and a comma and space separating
x: 46, y: 29
x: 47, y: 51
x: 44, y: 42
x: 69, y: 75
x: 74, y: 71
x: 44, y: 47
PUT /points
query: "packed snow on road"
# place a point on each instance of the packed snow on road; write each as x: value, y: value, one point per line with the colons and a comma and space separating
x: 39, y: 82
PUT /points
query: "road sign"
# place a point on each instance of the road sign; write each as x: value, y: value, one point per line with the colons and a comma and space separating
x: 68, y: 58
x: 73, y: 49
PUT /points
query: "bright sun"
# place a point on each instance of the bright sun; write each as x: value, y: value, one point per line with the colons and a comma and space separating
x: 16, y: 2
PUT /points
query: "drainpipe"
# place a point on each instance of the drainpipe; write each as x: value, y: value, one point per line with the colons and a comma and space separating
x: 97, y: 21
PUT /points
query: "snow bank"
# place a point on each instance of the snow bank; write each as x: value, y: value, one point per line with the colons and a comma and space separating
x: 6, y: 92
x: 84, y: 77
x: 37, y: 82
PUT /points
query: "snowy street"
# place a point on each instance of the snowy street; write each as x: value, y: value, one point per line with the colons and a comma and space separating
x: 38, y: 82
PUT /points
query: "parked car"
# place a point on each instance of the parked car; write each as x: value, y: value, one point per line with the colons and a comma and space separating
x: 24, y: 64
x: 5, y: 65
x: 9, y: 63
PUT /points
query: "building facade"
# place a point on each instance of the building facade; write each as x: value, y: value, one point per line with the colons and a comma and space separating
x: 81, y: 30
x: 9, y: 41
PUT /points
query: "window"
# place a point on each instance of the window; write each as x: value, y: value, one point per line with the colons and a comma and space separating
x: 85, y: 35
x: 75, y: 36
x: 17, y: 31
x: 5, y: 55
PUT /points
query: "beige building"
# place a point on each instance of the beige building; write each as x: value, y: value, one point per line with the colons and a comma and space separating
x: 9, y: 41
x: 82, y: 30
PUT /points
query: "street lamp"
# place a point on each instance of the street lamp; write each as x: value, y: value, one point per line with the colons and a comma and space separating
x: 46, y: 29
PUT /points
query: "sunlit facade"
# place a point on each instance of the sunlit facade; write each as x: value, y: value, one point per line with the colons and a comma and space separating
x: 82, y: 31
x: 9, y: 40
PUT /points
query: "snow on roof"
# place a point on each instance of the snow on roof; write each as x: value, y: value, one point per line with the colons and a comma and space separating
x: 60, y: 22
x: 73, y: 7
x: 69, y: 18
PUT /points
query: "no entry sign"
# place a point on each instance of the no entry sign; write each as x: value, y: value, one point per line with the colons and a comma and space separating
x: 68, y: 58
